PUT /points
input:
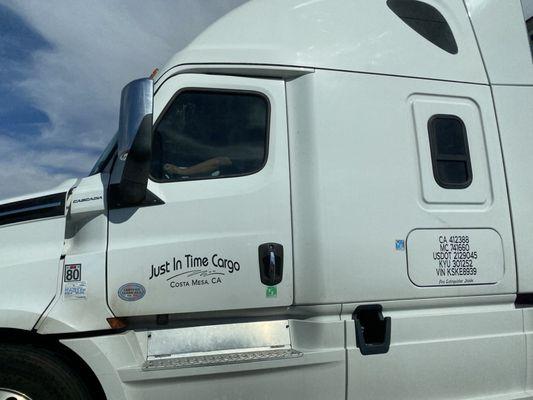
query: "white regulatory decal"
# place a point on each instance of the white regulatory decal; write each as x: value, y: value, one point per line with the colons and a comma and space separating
x: 453, y: 257
x: 75, y: 290
x: 72, y: 273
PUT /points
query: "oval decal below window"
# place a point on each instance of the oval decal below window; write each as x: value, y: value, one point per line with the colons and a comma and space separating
x: 131, y: 292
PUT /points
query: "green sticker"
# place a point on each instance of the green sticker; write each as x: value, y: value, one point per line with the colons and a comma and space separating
x: 272, y: 291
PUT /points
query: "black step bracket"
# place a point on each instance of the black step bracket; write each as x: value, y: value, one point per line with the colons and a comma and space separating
x: 372, y: 330
x: 524, y: 300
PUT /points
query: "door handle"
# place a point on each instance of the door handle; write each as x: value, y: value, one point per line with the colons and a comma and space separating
x: 271, y: 263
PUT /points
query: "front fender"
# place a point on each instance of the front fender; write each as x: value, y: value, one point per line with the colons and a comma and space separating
x: 19, y: 319
x: 32, y: 234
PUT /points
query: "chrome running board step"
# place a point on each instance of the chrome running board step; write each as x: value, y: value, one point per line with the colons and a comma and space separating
x: 219, y: 359
x: 219, y: 345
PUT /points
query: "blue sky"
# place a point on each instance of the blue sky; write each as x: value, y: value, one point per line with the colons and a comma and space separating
x: 62, y: 66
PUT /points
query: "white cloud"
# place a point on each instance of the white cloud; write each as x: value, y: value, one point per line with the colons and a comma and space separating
x: 97, y: 47
x: 23, y: 170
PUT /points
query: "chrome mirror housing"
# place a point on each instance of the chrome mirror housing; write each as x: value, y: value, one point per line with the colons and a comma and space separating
x: 134, y: 147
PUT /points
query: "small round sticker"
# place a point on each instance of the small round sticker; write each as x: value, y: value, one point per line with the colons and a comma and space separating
x: 131, y: 292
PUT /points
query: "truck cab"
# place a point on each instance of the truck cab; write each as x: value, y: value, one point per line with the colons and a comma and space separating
x: 315, y: 199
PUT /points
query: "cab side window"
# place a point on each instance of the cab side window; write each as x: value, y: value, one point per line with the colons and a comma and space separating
x: 448, y: 140
x: 207, y: 134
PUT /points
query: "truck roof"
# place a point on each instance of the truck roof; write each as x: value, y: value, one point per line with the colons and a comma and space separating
x: 352, y: 35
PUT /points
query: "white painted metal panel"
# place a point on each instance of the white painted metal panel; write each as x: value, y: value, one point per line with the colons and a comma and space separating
x: 317, y: 375
x: 479, y: 193
x: 29, y: 267
x: 85, y: 246
x: 215, y: 219
x: 30, y: 253
x: 528, y: 329
x: 514, y: 107
x: 357, y: 186
x: 501, y: 32
x: 351, y: 35
x: 475, y: 352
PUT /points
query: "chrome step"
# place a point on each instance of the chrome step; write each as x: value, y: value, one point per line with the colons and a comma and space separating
x: 219, y: 359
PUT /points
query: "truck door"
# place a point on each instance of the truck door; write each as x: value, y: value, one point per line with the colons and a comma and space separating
x: 215, y: 232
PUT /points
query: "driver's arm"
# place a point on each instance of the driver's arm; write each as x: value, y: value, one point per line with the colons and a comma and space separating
x: 205, y: 167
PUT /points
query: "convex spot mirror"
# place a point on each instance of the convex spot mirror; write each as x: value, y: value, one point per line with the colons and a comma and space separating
x: 132, y: 167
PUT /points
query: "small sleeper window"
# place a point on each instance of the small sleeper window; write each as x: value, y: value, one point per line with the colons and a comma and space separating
x: 449, y: 152
x: 427, y: 21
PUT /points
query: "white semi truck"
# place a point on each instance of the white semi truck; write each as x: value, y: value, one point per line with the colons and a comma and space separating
x: 316, y: 199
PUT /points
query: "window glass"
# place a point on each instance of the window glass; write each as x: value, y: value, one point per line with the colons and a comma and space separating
x: 105, y: 157
x: 450, y: 139
x: 449, y: 152
x: 427, y: 21
x: 452, y: 173
x: 211, y: 134
x: 527, y: 6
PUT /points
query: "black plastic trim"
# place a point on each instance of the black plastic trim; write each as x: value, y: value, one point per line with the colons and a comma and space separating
x: 37, y: 208
x: 529, y: 28
x: 524, y: 300
x: 436, y: 157
x: 106, y: 157
x: 427, y: 21
x: 372, y: 330
x: 114, y: 200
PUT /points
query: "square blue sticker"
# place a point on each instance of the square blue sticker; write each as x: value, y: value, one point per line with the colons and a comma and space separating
x: 400, y: 245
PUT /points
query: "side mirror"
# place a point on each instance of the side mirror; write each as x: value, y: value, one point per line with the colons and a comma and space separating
x: 132, y: 167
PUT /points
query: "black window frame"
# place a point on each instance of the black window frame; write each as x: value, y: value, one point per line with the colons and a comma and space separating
x: 529, y: 24
x: 224, y: 91
x: 436, y: 157
x: 106, y: 157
